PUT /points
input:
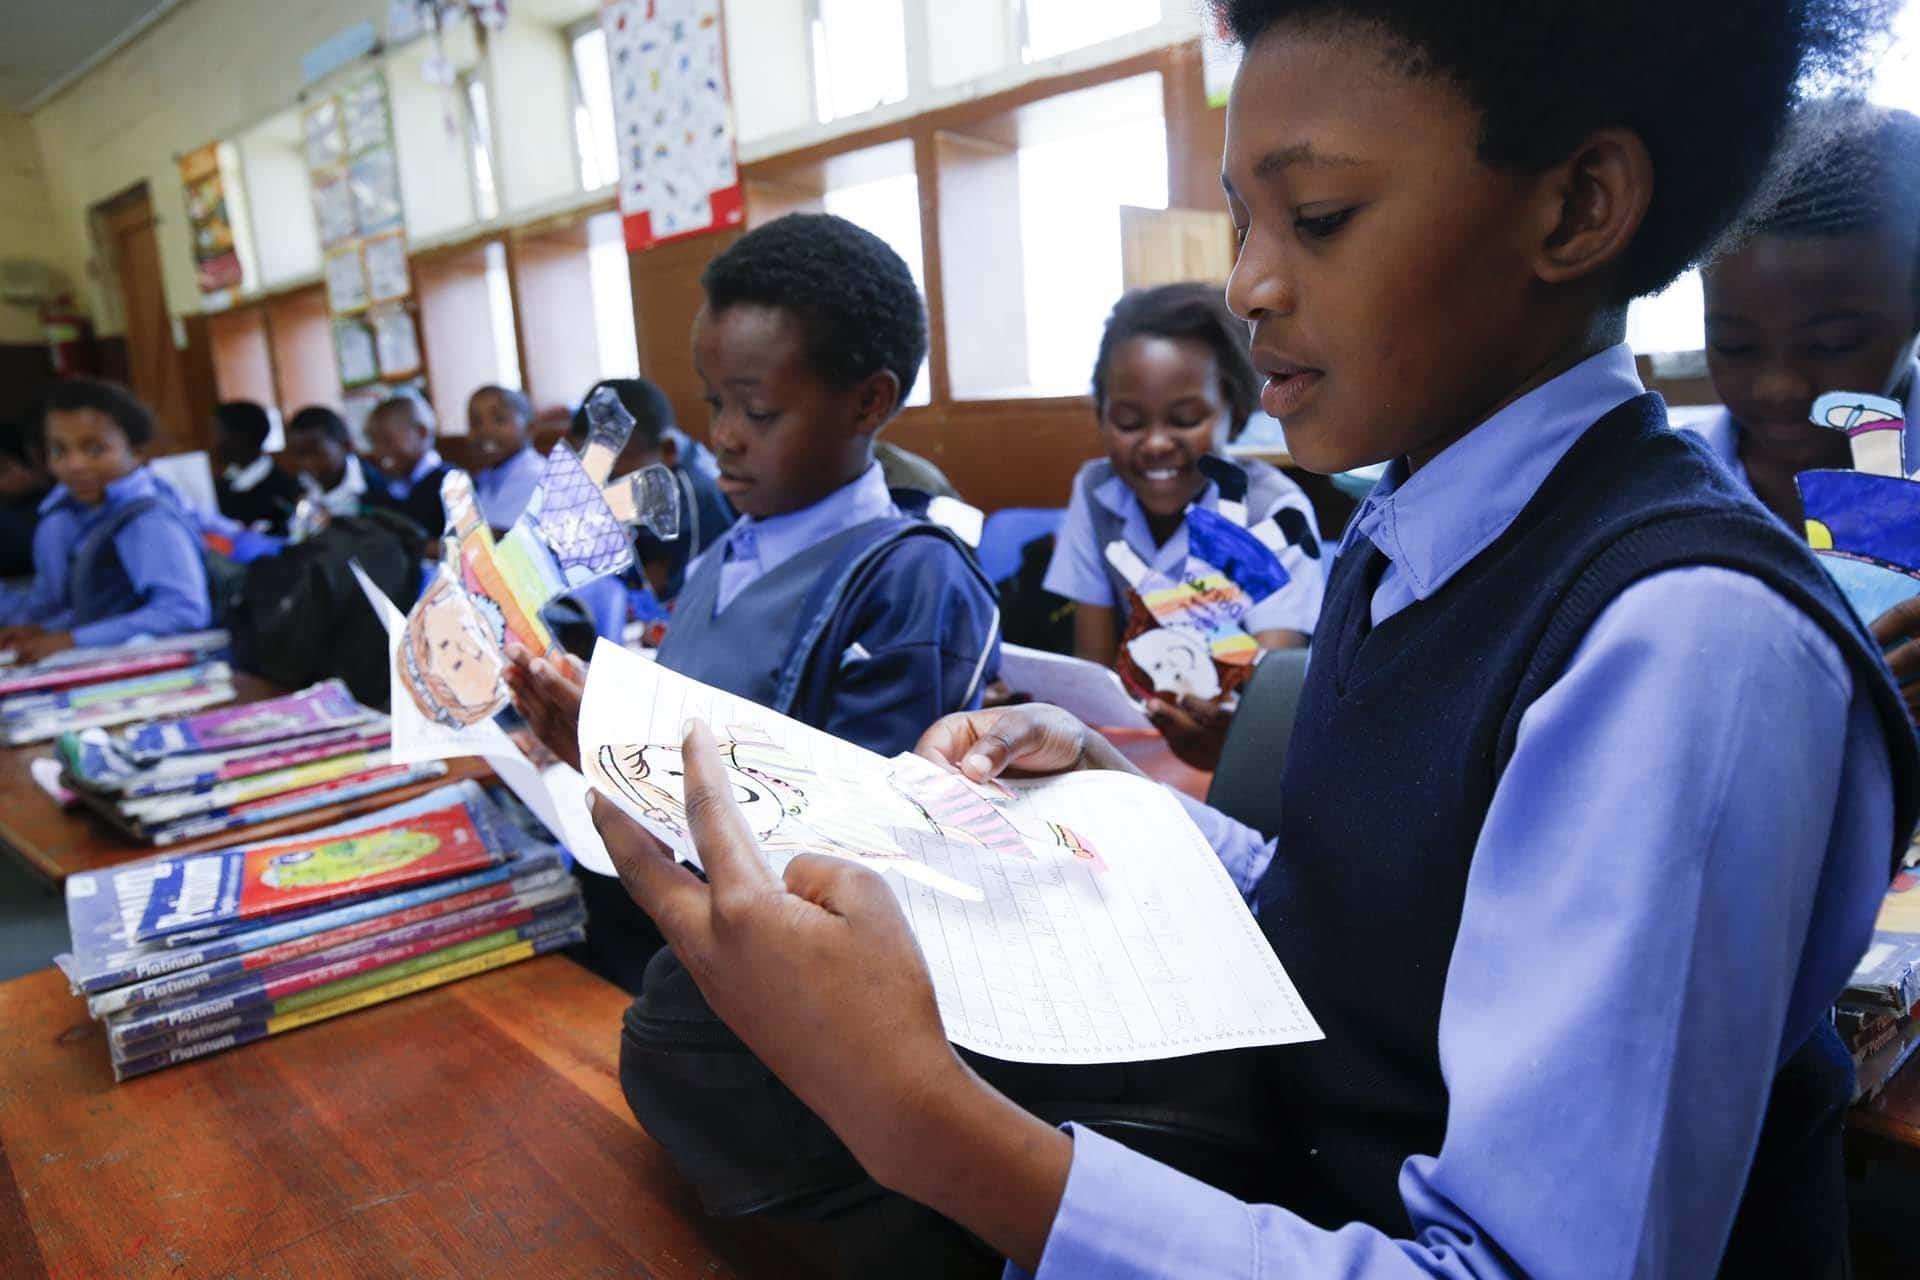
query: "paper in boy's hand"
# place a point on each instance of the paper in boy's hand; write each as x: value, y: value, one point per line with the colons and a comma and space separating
x: 576, y: 528
x: 1081, y: 918
x: 1865, y: 524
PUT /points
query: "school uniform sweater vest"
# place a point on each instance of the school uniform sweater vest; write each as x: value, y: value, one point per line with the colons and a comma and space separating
x: 1403, y: 732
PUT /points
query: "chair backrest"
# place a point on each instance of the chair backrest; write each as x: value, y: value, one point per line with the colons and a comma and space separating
x: 1246, y: 785
x: 1008, y: 530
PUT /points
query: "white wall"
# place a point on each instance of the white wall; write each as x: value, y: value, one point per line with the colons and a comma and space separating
x: 26, y: 218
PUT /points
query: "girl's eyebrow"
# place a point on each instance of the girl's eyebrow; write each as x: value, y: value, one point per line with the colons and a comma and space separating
x: 1279, y: 160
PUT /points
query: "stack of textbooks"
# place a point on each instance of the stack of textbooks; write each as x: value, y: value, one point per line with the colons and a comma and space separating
x: 86, y: 688
x: 180, y: 957
x: 1876, y: 1015
x: 222, y: 771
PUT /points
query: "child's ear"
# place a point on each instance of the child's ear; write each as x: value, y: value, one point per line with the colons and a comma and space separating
x: 876, y: 397
x: 1592, y: 205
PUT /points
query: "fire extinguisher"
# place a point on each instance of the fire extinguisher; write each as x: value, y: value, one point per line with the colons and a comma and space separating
x: 70, y: 345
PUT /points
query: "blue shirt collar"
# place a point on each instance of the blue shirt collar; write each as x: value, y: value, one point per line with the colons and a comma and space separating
x: 137, y: 483
x: 1432, y: 522
x: 1114, y: 494
x: 773, y: 540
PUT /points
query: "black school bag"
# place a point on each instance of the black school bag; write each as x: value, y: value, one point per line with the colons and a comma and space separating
x: 301, y: 617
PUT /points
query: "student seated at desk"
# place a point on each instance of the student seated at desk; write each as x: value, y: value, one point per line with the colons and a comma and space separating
x: 250, y: 489
x: 508, y: 467
x: 23, y: 486
x: 1596, y: 783
x: 823, y: 600
x: 114, y: 555
x: 400, y: 437
x: 1172, y: 384
x: 320, y: 453
x: 1824, y: 295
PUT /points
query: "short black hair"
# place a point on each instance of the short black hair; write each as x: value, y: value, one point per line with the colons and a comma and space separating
x: 1846, y: 168
x: 13, y: 443
x: 317, y: 417
x: 245, y: 419
x: 1706, y: 89
x: 516, y: 400
x: 851, y: 292
x: 652, y: 411
x: 1188, y: 310
x: 408, y: 398
x: 109, y: 398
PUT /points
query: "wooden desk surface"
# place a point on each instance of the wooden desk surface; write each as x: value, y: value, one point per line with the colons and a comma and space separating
x: 57, y: 843
x: 474, y: 1130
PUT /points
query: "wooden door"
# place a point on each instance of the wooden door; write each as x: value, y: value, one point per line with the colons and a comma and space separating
x: 176, y: 383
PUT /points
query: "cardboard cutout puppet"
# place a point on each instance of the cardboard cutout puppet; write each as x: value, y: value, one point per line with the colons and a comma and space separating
x: 1188, y: 637
x: 576, y: 528
x: 1865, y: 524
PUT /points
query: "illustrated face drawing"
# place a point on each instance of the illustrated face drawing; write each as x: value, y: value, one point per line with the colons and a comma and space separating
x: 452, y: 661
x: 1177, y: 660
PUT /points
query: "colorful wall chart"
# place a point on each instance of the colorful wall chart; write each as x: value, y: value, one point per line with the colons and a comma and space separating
x: 673, y: 119
x: 357, y: 206
x: 216, y: 263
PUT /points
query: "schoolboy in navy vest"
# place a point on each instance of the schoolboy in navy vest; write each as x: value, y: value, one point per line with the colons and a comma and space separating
x: 823, y: 600
x: 1597, y: 784
x: 114, y: 555
x: 400, y: 440
x: 1822, y: 295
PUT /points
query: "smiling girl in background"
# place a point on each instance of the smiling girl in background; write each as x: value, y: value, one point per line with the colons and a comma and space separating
x: 1172, y: 385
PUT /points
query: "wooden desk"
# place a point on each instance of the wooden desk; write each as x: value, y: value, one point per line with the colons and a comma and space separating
x: 474, y: 1130
x: 57, y: 843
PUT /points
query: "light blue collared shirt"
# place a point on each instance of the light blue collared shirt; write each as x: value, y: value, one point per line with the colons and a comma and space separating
x: 1078, y: 569
x: 1677, y: 872
x: 399, y: 489
x: 754, y: 548
x: 160, y: 588
x: 504, y: 489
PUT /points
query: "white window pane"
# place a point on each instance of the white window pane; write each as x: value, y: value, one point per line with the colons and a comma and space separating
x: 1071, y: 190
x: 593, y: 132
x: 506, y: 344
x: 1672, y: 320
x: 619, y: 346
x: 890, y: 208
x: 486, y: 197
x: 859, y: 56
x: 1896, y: 75
x: 1060, y: 26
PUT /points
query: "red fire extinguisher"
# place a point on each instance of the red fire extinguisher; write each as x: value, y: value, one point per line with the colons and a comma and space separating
x: 70, y: 345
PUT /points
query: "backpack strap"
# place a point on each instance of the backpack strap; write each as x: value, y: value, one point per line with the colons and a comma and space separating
x: 95, y: 551
x: 867, y: 545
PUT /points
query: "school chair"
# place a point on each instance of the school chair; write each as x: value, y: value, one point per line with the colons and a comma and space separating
x: 1007, y: 531
x: 1246, y: 785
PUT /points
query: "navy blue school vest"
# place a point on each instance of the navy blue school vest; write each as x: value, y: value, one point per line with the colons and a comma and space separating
x: 1403, y: 732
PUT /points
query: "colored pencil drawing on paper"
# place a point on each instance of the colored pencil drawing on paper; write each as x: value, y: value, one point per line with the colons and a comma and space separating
x: 1864, y: 524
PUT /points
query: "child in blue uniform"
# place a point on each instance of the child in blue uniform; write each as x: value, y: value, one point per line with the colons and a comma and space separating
x: 507, y: 466
x: 1172, y: 384
x: 1823, y: 295
x: 400, y: 439
x: 1596, y: 784
x: 114, y: 556
x: 823, y: 600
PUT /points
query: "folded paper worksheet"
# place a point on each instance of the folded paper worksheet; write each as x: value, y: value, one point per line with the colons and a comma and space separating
x: 1080, y: 918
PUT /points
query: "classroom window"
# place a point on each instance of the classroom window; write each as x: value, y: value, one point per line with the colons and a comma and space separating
x: 506, y: 347
x: 1671, y: 320
x: 1030, y: 215
x: 594, y: 138
x: 486, y: 194
x: 859, y: 56
x: 1054, y: 27
x: 611, y: 280
x: 466, y: 326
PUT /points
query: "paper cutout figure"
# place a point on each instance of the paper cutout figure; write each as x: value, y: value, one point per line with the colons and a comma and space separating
x: 1229, y: 567
x: 1875, y: 428
x: 575, y: 529
x: 1864, y: 524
